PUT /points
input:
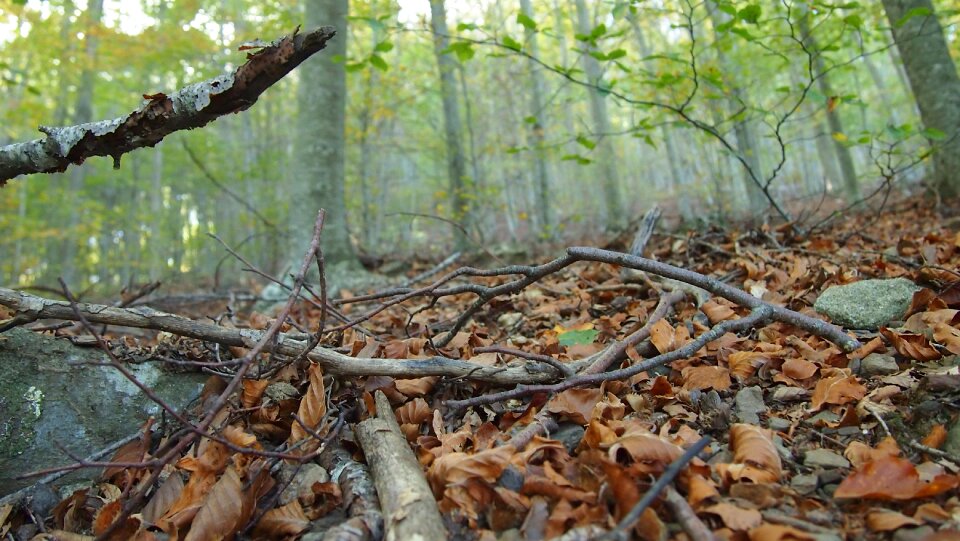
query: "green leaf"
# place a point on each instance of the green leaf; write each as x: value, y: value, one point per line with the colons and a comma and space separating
x: 616, y: 53
x: 463, y: 50
x: 354, y: 66
x: 530, y: 119
x: 750, y: 14
x: 598, y: 55
x: 854, y: 20
x: 585, y: 142
x: 915, y: 12
x: 378, y: 62
x: 526, y: 21
x: 383, y: 47
x: 511, y: 43
x: 933, y: 134
x: 744, y: 33
x: 466, y: 26
x: 598, y: 31
x: 578, y: 338
x: 721, y: 28
x: 729, y: 9
x: 578, y: 158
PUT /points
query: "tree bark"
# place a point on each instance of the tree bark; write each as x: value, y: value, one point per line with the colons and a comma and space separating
x: 610, y: 182
x: 318, y: 170
x: 456, y: 160
x: 538, y: 128
x: 851, y: 187
x: 935, y: 84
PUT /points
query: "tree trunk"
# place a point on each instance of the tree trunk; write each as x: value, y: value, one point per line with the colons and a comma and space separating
x: 935, y: 83
x: 610, y: 182
x: 456, y: 161
x: 742, y: 127
x: 851, y: 187
x: 83, y: 113
x: 318, y: 169
x: 537, y: 129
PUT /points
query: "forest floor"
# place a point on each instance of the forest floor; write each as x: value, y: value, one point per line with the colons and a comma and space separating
x: 807, y: 441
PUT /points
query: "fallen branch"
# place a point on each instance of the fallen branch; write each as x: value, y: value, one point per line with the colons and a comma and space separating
x: 31, y: 307
x: 191, y: 107
x: 409, y: 509
x: 625, y: 526
x: 365, y: 520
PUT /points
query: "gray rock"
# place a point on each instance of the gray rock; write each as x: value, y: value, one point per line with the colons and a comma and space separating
x: 912, y: 534
x: 778, y: 424
x: 301, y: 480
x: 876, y: 364
x: 749, y: 404
x: 823, y: 458
x: 804, y: 484
x: 51, y: 391
x: 867, y: 304
x: 569, y: 434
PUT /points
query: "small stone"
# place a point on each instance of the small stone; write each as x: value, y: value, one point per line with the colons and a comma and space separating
x: 876, y: 364
x: 569, y: 434
x: 302, y: 481
x: 280, y: 391
x: 825, y: 417
x: 912, y: 534
x: 750, y: 405
x: 511, y: 479
x: 828, y: 490
x: 789, y: 394
x: 778, y: 424
x: 830, y: 477
x: 822, y: 458
x: 804, y: 484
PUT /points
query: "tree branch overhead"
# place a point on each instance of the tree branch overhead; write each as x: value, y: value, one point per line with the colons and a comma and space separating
x: 191, y: 107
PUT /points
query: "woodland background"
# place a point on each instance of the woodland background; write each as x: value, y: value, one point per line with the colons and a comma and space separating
x: 546, y: 121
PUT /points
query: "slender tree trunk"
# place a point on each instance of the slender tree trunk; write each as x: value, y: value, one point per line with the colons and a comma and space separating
x: 456, y: 161
x: 742, y: 127
x: 318, y: 172
x: 83, y: 113
x: 935, y: 84
x: 609, y: 180
x: 537, y: 129
x: 674, y: 160
x: 851, y: 187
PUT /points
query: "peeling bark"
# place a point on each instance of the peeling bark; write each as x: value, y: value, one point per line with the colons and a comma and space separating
x: 191, y: 107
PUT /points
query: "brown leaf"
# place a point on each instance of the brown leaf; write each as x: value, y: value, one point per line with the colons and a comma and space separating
x: 777, y: 532
x: 253, y: 390
x: 414, y: 412
x: 662, y: 336
x: 416, y: 386
x: 717, y: 312
x: 837, y: 390
x: 313, y: 405
x: 220, y: 514
x: 744, y: 364
x: 936, y: 437
x: 735, y: 518
x: 893, y: 478
x: 575, y: 404
x: 755, y: 457
x: 163, y: 498
x: 797, y: 368
x: 285, y: 522
x: 948, y: 337
x: 706, y: 377
x: 887, y: 520
x: 911, y: 345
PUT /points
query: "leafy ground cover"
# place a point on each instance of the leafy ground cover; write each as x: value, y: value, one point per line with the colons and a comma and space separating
x: 808, y: 441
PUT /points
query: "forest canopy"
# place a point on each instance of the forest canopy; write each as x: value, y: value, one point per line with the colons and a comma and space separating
x: 515, y: 122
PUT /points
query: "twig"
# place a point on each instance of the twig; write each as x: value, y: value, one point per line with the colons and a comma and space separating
x: 686, y: 516
x: 409, y: 507
x: 559, y: 365
x: 622, y: 531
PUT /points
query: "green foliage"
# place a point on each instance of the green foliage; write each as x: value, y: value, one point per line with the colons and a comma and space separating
x: 578, y: 338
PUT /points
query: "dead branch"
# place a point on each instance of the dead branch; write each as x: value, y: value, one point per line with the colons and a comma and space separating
x: 686, y: 516
x: 33, y: 307
x: 409, y: 508
x: 623, y: 529
x: 359, y: 494
x: 191, y: 107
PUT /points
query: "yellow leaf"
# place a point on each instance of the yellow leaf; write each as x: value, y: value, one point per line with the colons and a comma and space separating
x: 839, y: 137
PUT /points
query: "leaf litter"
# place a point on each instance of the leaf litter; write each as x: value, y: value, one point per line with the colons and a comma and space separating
x: 808, y: 443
